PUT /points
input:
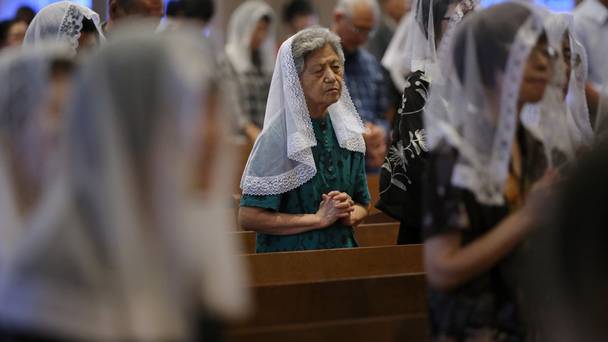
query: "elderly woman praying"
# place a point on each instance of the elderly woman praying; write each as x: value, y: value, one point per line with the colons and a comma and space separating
x: 304, y: 186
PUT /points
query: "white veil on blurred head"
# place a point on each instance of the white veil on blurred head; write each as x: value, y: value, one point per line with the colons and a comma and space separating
x: 561, y: 121
x: 24, y: 151
x: 130, y: 244
x: 413, y: 46
x: 475, y: 108
x: 61, y: 22
x: 241, y: 27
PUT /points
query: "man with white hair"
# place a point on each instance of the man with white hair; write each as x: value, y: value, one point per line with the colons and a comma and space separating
x: 354, y: 21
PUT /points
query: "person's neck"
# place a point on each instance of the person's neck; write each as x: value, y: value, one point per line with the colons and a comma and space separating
x: 317, y: 112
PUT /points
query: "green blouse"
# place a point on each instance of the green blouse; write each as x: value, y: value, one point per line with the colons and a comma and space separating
x: 337, y: 169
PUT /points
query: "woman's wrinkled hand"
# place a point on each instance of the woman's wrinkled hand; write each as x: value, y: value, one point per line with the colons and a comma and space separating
x: 344, y: 201
x: 333, y: 209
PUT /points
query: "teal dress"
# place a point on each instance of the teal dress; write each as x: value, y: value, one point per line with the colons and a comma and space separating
x: 337, y: 169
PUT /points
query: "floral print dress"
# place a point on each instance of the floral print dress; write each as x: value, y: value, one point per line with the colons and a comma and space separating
x: 400, y: 185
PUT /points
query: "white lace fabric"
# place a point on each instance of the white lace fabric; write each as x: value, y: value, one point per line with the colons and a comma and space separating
x: 411, y: 50
x: 562, y: 122
x: 24, y: 96
x: 61, y: 22
x: 281, y: 159
x: 480, y: 123
x: 128, y: 244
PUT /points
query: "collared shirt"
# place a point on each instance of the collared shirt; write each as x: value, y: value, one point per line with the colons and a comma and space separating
x: 591, y: 25
x: 367, y: 86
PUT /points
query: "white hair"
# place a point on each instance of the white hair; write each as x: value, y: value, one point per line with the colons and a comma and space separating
x: 312, y: 39
x: 346, y: 7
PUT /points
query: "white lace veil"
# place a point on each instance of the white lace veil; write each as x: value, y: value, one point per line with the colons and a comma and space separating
x: 411, y: 49
x: 562, y: 123
x: 393, y: 59
x: 281, y: 159
x: 240, y: 30
x: 24, y: 100
x: 128, y: 244
x: 475, y: 109
x: 61, y: 22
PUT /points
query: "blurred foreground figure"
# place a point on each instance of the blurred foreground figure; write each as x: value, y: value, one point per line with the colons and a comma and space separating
x: 126, y: 248
x: 567, y: 275
x: 32, y: 97
x: 486, y: 182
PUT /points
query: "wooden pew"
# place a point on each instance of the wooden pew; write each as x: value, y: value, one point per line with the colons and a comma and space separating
x: 333, y: 295
x: 377, y: 234
x: 378, y: 329
x: 373, y: 184
x: 333, y: 264
x: 368, y: 235
x: 331, y: 300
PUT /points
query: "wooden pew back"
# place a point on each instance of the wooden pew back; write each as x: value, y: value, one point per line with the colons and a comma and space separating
x: 333, y: 264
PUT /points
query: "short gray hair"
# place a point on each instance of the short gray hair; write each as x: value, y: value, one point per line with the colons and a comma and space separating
x: 346, y: 7
x: 311, y: 39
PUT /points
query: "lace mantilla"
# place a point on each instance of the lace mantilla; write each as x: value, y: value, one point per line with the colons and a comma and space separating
x: 71, y: 26
x: 288, y: 124
x: 488, y: 186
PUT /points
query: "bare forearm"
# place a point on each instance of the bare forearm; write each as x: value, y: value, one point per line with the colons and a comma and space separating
x: 358, y: 215
x: 449, y: 265
x: 275, y: 223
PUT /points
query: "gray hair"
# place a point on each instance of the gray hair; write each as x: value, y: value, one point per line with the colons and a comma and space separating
x: 346, y: 7
x: 311, y: 39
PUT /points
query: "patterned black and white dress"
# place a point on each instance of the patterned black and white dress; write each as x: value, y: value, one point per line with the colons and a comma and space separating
x: 400, y: 185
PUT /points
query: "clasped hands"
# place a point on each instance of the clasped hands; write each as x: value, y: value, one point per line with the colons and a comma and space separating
x: 336, y: 206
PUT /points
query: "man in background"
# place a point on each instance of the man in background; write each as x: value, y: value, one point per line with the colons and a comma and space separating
x: 354, y: 21
x: 392, y: 12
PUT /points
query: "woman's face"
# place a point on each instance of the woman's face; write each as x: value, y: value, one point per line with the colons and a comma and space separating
x: 537, y: 73
x: 16, y: 33
x: 322, y: 77
x: 260, y: 33
x: 87, y: 41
